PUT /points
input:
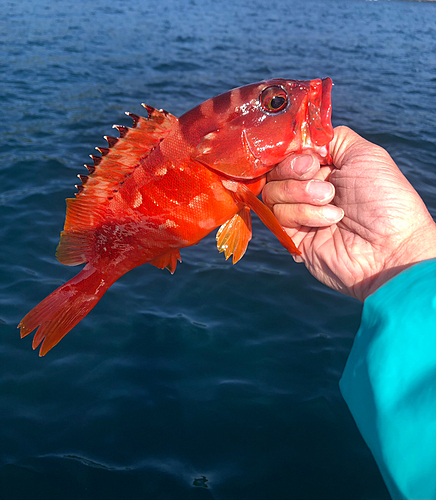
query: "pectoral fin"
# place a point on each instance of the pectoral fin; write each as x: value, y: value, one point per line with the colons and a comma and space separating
x: 233, y: 236
x: 267, y: 217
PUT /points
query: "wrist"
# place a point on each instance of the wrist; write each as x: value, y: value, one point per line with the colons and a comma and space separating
x: 420, y: 246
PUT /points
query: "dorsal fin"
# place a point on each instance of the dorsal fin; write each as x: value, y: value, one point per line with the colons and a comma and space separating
x: 123, y: 154
x: 116, y: 162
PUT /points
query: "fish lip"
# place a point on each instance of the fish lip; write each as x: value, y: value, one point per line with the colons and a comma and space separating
x: 326, y: 106
x: 318, y: 118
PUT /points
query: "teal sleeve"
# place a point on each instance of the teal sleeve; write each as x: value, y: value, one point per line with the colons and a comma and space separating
x: 389, y: 382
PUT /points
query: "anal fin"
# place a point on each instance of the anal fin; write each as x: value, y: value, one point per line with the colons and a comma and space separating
x: 233, y: 236
x: 167, y: 261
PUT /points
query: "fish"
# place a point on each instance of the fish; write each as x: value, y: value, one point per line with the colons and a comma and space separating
x: 167, y: 182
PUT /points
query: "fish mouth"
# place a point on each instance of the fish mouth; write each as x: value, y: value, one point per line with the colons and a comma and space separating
x: 317, y: 129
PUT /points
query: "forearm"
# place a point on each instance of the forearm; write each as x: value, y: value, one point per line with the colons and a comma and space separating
x: 389, y: 382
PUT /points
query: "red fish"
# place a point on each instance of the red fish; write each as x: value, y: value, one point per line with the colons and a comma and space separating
x: 166, y: 183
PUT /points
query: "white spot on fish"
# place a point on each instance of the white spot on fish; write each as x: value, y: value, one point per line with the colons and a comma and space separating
x: 218, y: 192
x: 138, y: 200
x: 168, y: 224
x: 102, y: 283
x: 207, y: 224
x: 161, y: 171
x: 198, y: 200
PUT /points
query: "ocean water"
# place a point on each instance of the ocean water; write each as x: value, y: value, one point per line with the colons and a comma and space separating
x: 220, y: 381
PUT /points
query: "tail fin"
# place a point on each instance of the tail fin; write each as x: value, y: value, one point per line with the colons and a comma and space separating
x: 58, y: 313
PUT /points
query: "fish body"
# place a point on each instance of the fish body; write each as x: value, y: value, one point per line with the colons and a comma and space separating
x: 166, y: 183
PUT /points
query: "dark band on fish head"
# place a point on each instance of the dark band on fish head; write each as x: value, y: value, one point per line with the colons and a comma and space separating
x: 221, y: 103
x: 214, y: 113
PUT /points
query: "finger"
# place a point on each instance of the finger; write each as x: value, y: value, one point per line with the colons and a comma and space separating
x: 295, y: 166
x: 296, y: 215
x: 315, y: 192
x: 345, y: 139
x: 350, y: 149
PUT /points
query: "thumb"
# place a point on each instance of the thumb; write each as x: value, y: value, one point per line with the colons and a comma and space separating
x: 348, y: 148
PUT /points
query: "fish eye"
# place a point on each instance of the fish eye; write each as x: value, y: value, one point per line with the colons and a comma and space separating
x: 273, y: 99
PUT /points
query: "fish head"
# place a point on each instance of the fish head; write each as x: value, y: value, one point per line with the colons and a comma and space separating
x: 263, y: 123
x: 293, y: 117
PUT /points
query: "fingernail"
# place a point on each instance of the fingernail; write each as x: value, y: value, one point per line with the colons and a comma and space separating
x: 301, y: 164
x: 320, y: 190
x: 332, y: 213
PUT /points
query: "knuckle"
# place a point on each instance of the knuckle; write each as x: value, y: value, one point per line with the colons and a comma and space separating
x: 300, y: 211
x: 266, y: 194
x: 288, y: 190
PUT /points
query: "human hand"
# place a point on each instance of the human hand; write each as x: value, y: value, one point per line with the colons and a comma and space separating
x: 376, y: 226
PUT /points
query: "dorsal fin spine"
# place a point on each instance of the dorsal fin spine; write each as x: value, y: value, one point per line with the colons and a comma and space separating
x: 83, y: 178
x: 103, y: 151
x: 90, y: 168
x: 122, y: 130
x: 111, y: 140
x: 96, y: 159
x: 134, y: 117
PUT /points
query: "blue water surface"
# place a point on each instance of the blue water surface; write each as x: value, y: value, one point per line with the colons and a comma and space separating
x: 220, y: 381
